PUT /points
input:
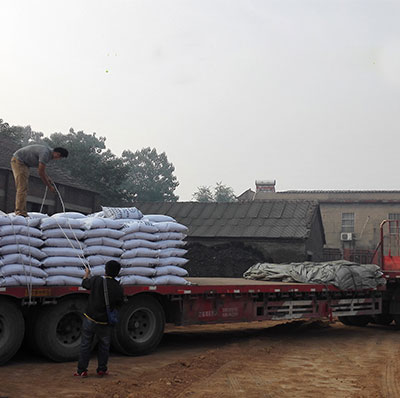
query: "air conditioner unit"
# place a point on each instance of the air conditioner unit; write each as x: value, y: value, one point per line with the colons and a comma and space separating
x: 346, y: 236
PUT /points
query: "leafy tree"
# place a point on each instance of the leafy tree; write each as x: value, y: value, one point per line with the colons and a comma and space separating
x: 21, y: 135
x: 221, y: 193
x: 91, y: 163
x: 149, y: 176
x: 203, y: 194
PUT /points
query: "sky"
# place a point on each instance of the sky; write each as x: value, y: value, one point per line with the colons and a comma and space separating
x: 306, y: 93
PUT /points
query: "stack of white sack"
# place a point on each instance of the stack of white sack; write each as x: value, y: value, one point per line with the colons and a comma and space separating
x: 102, y: 242
x: 20, y: 242
x: 64, y: 248
x: 153, y: 251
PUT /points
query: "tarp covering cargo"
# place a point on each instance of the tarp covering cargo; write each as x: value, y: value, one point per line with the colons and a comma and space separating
x: 343, y: 274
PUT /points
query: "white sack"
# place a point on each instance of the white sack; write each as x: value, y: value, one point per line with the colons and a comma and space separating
x: 158, y: 218
x: 139, y: 226
x: 96, y: 222
x: 62, y: 251
x: 77, y: 272
x: 69, y: 214
x: 60, y: 222
x: 104, y: 232
x: 20, y: 239
x: 20, y: 230
x: 63, y: 261
x: 142, y: 271
x: 13, y: 220
x: 170, y: 280
x: 170, y: 270
x: 173, y: 252
x: 171, y: 227
x: 98, y: 270
x: 134, y: 243
x: 139, y: 262
x: 136, y: 280
x: 63, y: 233
x: 18, y: 280
x: 122, y: 212
x: 17, y: 258
x: 59, y: 280
x: 171, y: 235
x: 140, y: 235
x: 64, y: 242
x: 19, y: 269
x: 140, y: 252
x: 178, y: 261
x: 100, y: 260
x: 170, y: 244
x: 24, y: 249
x: 100, y: 241
x: 103, y: 250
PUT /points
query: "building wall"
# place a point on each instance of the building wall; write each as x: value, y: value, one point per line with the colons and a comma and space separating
x: 369, y: 208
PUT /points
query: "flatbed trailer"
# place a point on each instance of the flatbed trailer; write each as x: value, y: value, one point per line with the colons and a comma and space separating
x: 49, y: 318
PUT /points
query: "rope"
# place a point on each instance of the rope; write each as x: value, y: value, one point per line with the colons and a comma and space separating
x: 84, y: 261
x: 44, y: 198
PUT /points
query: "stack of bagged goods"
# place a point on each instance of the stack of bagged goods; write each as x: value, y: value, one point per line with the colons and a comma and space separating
x: 102, y: 242
x: 64, y: 248
x: 170, y: 245
x: 152, y: 247
x: 55, y: 250
x: 21, y: 256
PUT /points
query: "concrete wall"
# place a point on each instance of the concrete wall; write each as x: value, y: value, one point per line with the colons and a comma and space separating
x: 369, y: 209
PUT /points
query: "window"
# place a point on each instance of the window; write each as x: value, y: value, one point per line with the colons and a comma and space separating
x: 347, y: 222
x: 392, y: 225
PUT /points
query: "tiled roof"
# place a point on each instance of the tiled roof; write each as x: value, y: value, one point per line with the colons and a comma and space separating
x: 56, y: 172
x: 256, y: 219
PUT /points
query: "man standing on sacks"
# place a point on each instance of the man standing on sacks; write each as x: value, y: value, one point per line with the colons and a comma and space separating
x: 32, y: 156
x: 95, y: 320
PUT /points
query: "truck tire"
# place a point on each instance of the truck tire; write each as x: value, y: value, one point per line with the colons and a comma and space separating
x: 141, y: 326
x: 360, y: 320
x: 382, y: 319
x: 57, y: 329
x: 345, y: 320
x: 12, y: 328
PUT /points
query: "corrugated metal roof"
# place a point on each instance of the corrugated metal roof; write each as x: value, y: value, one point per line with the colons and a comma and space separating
x: 275, y: 218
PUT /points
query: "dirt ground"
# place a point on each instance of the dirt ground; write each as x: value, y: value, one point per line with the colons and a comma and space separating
x: 262, y: 360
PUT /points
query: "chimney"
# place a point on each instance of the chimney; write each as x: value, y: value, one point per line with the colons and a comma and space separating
x: 265, y: 185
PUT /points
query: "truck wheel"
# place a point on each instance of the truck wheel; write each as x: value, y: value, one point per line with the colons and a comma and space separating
x: 58, y: 329
x: 12, y: 327
x: 141, y: 326
x: 360, y: 320
x: 382, y: 319
x: 345, y: 320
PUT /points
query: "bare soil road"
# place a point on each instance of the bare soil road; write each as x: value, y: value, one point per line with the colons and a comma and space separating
x: 262, y: 360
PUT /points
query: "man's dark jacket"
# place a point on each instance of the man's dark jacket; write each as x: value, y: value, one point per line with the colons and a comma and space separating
x: 96, y: 308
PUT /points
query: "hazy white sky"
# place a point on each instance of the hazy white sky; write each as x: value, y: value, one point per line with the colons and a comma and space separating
x: 304, y: 92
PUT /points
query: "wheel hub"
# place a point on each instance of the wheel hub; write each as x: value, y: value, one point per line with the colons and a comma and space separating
x: 69, y: 328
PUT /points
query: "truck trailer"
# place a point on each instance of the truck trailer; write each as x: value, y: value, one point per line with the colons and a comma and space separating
x: 49, y: 318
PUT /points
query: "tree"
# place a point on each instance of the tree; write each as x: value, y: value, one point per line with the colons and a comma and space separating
x: 92, y: 164
x: 221, y: 193
x: 21, y: 135
x: 149, y: 176
x: 203, y: 194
